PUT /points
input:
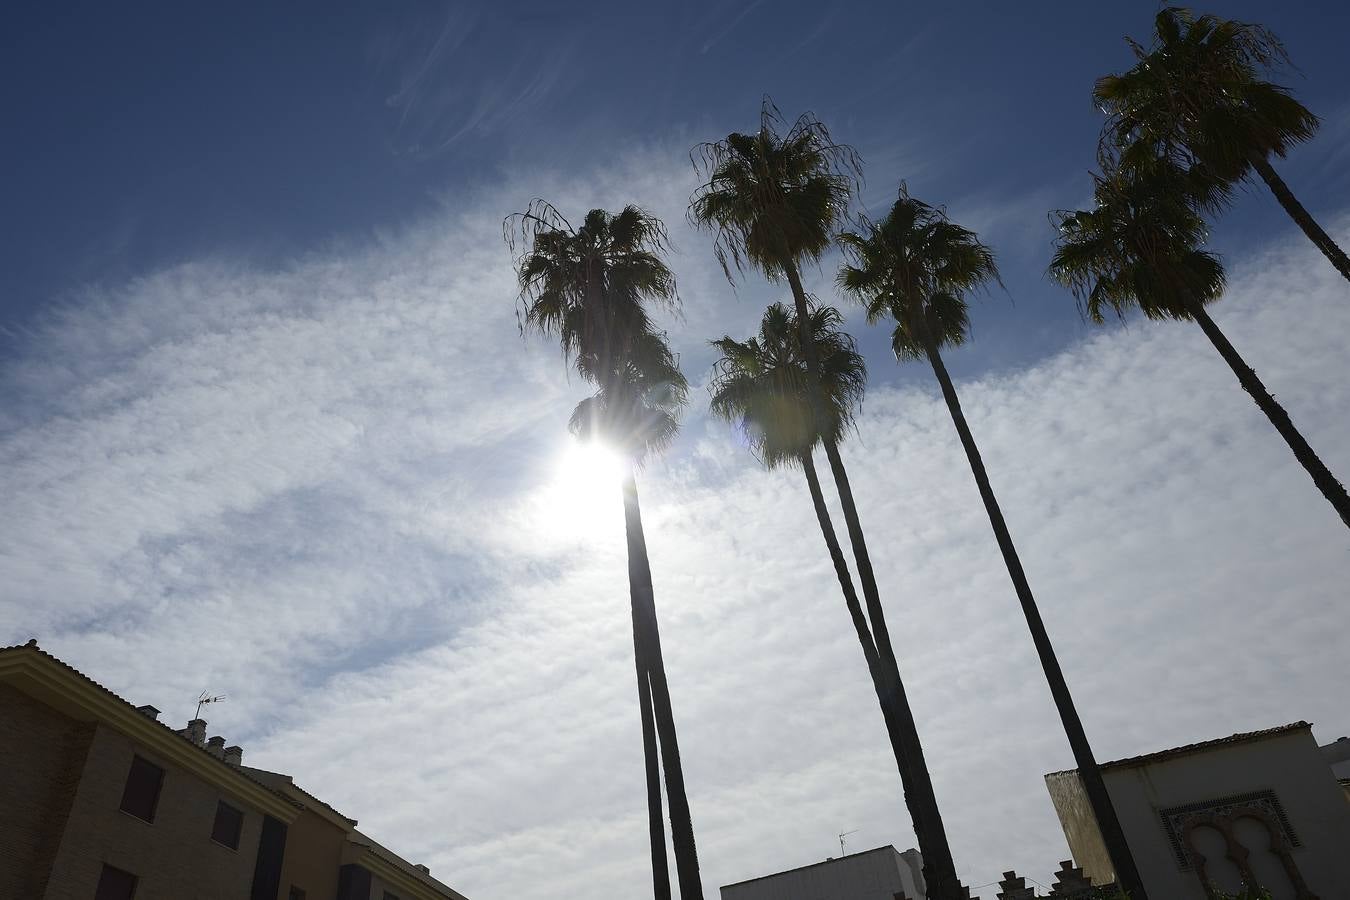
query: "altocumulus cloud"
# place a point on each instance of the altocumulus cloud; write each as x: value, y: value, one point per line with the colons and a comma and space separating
x: 330, y: 491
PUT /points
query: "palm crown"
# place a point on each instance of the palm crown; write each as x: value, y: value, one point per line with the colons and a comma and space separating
x: 762, y: 385
x: 1197, y: 96
x: 589, y: 287
x: 773, y: 199
x: 918, y: 267
x: 1140, y: 246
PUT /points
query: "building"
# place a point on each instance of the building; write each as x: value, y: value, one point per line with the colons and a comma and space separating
x: 1337, y: 755
x: 880, y: 874
x: 101, y: 800
x: 1262, y: 807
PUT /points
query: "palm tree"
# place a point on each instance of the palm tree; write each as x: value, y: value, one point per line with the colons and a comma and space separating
x: 1198, y: 97
x: 589, y: 287
x: 773, y: 200
x: 918, y: 268
x: 1140, y: 247
x: 762, y: 387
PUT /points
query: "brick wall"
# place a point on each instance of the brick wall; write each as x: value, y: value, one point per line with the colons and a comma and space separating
x: 41, y: 756
x: 174, y: 858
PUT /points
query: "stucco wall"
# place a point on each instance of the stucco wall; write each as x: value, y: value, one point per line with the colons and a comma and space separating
x: 313, y: 856
x: 174, y: 857
x: 1288, y: 764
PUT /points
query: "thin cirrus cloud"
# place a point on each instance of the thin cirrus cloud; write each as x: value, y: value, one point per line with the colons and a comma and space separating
x: 331, y: 491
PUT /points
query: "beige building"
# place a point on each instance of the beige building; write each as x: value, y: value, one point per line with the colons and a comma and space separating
x: 1262, y: 807
x: 98, y: 799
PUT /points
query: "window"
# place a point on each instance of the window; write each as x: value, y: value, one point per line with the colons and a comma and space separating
x: 114, y: 884
x: 390, y: 895
x: 229, y: 822
x: 295, y: 894
x: 141, y: 795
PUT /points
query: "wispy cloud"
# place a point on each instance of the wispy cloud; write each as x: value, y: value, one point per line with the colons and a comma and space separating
x: 330, y: 490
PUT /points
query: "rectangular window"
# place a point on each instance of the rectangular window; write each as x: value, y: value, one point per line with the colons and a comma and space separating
x: 390, y: 895
x: 295, y: 894
x: 141, y: 795
x: 229, y: 822
x: 114, y: 884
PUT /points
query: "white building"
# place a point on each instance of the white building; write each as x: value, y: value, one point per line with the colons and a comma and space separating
x: 880, y: 874
x: 1262, y: 807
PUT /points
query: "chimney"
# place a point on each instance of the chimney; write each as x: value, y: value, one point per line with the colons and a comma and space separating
x: 148, y: 711
x: 234, y: 755
x: 216, y: 746
x: 195, y: 731
x: 423, y: 869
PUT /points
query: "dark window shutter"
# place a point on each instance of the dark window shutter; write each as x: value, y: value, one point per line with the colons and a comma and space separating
x: 141, y: 795
x: 114, y: 884
x: 229, y: 822
x: 267, y: 867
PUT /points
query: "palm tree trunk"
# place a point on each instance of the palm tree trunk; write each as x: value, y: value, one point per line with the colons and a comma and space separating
x: 1319, y: 237
x: 644, y: 604
x: 1127, y: 873
x: 655, y: 823
x: 939, y: 869
x: 840, y: 565
x: 1326, y: 482
x: 890, y: 693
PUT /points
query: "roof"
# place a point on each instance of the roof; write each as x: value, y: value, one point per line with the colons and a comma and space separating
x: 285, y: 785
x: 379, y: 851
x: 1242, y: 737
x: 30, y: 659
x: 823, y: 862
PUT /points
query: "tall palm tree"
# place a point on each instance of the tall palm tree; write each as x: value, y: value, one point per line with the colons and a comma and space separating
x: 773, y: 200
x: 1141, y: 247
x: 917, y: 268
x: 762, y: 387
x: 589, y: 287
x: 1198, y: 95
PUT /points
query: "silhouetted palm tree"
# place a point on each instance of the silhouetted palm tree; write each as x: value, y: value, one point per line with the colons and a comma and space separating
x: 917, y: 268
x: 773, y: 199
x: 1141, y: 247
x: 1198, y: 97
x: 589, y: 287
x: 762, y: 387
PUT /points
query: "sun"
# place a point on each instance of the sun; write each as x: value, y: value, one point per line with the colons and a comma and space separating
x: 583, y: 498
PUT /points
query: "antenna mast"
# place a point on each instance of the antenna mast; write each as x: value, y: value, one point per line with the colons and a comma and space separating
x: 842, y: 852
x: 204, y: 699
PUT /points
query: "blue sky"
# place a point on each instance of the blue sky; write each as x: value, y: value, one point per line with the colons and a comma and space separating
x: 157, y: 133
x: 268, y: 427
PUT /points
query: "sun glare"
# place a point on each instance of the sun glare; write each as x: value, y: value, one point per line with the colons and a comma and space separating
x: 584, y: 494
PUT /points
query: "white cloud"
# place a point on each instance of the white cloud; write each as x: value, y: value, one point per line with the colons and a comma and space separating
x: 319, y: 490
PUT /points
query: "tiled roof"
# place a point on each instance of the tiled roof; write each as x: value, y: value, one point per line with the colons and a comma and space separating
x: 1160, y: 755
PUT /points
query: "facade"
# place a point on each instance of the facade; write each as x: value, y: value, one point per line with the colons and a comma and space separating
x: 880, y: 874
x: 99, y: 799
x: 1337, y: 755
x: 1262, y: 807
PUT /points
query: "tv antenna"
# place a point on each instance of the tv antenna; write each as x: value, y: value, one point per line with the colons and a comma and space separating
x: 204, y: 699
x: 842, y: 852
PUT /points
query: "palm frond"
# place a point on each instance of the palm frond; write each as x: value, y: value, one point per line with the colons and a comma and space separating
x: 773, y: 198
x: 918, y: 268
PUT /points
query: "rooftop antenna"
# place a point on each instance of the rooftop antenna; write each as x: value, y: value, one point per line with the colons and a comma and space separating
x: 842, y: 852
x: 204, y: 699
